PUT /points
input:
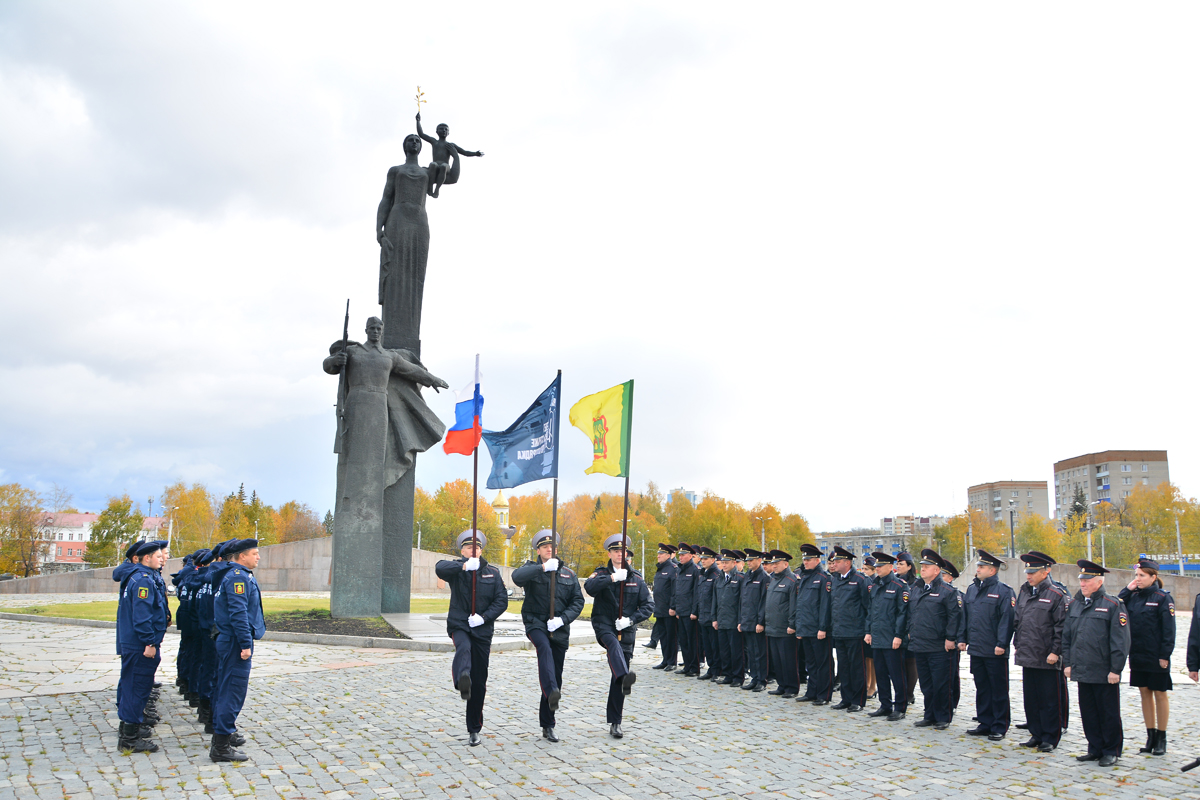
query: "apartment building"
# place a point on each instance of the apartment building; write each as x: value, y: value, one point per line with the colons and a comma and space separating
x: 1110, y: 476
x: 998, y: 498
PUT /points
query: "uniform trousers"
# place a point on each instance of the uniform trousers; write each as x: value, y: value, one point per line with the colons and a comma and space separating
x: 205, y: 670
x: 817, y: 655
x: 890, y: 676
x: 656, y: 631
x: 910, y: 672
x: 756, y: 654
x: 1064, y: 700
x: 137, y: 679
x: 1042, y: 701
x: 689, y: 643
x: 233, y: 681
x: 801, y: 663
x: 668, y: 641
x: 184, y: 656
x: 732, y: 665
x: 991, y: 692
x: 708, y: 641
x: 619, y: 649
x: 550, y: 656
x: 852, y: 670
x: 1100, y: 715
x: 471, y: 654
x: 955, y: 680
x: 782, y: 653
x: 933, y: 669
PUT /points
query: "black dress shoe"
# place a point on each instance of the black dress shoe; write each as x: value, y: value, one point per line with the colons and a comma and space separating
x: 1088, y: 757
x: 725, y: 681
x: 974, y: 719
x: 842, y: 706
x: 1022, y: 725
x: 473, y: 739
x: 895, y: 716
x: 1107, y: 761
x: 978, y: 732
x: 1045, y: 747
x: 651, y: 645
x: 659, y: 666
x: 749, y: 686
x: 880, y: 712
x: 805, y: 699
x: 924, y: 723
x: 854, y: 708
x: 709, y: 676
x: 669, y: 668
x: 157, y: 685
x: 627, y: 683
x: 776, y: 692
x: 873, y: 696
x: 1031, y: 742
x: 615, y: 731
x: 737, y: 684
x: 941, y: 726
x: 789, y: 695
x: 758, y: 687
x: 820, y: 702
x: 995, y: 737
x: 552, y: 699
x: 464, y: 685
x: 549, y: 734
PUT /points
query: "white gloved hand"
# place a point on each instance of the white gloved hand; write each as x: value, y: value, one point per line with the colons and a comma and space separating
x: 471, y: 564
x: 618, y: 575
x: 550, y: 566
x: 474, y: 620
x: 623, y: 623
x: 554, y: 623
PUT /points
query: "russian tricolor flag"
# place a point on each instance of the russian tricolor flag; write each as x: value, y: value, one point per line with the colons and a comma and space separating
x: 463, y: 436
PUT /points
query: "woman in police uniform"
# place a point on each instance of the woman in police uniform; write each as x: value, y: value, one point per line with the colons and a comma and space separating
x: 1151, y: 639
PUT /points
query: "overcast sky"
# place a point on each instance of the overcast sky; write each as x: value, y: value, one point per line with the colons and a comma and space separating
x: 856, y: 256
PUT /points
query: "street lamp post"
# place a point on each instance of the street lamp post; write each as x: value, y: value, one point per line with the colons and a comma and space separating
x: 1178, y: 543
x: 1012, y: 529
x: 763, y: 537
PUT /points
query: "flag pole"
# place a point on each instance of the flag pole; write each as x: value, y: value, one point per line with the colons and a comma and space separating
x: 554, y: 518
x: 475, y: 494
x: 625, y: 515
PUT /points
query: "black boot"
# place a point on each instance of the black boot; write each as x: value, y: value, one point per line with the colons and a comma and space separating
x: 222, y: 750
x: 1151, y: 741
x: 144, y: 731
x: 204, y: 711
x: 627, y: 683
x: 1160, y: 744
x: 614, y: 730
x: 236, y: 739
x: 128, y: 739
x: 549, y: 734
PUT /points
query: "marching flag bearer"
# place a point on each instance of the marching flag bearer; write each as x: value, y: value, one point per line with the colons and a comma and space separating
x: 616, y: 634
x: 472, y: 631
x: 142, y: 623
x: 549, y: 632
x: 237, y: 609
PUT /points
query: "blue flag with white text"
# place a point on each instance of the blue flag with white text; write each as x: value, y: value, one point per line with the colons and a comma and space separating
x: 528, y: 450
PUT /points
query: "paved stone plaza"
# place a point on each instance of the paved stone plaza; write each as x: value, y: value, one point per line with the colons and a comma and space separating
x: 339, y: 722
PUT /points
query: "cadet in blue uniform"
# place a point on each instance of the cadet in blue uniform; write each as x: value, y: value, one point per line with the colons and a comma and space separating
x: 752, y: 619
x: 934, y: 614
x: 120, y: 575
x: 1151, y: 641
x: 683, y: 609
x: 664, y: 592
x: 781, y: 639
x: 238, y: 615
x: 471, y: 627
x: 812, y: 623
x: 1095, y: 646
x: 187, y: 644
x: 206, y: 617
x: 706, y: 611
x: 887, y: 627
x: 729, y: 603
x: 851, y: 602
x: 990, y: 609
x: 142, y: 622
x: 549, y: 626
x: 621, y: 600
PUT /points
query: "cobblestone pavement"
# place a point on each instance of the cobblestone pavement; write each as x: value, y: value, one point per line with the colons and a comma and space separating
x: 347, y: 723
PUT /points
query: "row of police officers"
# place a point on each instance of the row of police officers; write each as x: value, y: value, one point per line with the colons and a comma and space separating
x: 219, y: 617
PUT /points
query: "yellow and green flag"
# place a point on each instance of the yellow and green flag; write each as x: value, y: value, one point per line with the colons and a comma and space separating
x: 606, y: 418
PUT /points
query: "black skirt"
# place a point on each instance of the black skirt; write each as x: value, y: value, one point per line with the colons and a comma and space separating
x: 1154, y: 681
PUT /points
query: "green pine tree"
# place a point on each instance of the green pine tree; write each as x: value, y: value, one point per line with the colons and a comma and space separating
x: 328, y: 523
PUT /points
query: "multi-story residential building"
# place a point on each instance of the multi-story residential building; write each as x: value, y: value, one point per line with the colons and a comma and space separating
x: 1110, y: 476
x: 692, y: 497
x: 896, y: 534
x: 997, y: 499
x: 70, y: 533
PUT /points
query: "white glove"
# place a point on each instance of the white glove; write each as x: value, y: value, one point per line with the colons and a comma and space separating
x: 618, y: 575
x: 554, y: 623
x: 474, y: 620
x: 550, y: 566
x: 623, y: 623
x: 471, y: 564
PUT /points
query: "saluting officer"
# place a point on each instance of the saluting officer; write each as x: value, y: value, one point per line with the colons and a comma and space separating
x: 1037, y: 641
x: 477, y: 599
x: 664, y: 591
x: 934, y: 615
x: 142, y: 622
x: 706, y: 611
x: 729, y: 604
x: 548, y: 627
x: 887, y: 627
x: 1095, y: 646
x: 990, y: 611
x: 615, y: 622
x: 238, y: 615
x: 781, y: 639
x: 1151, y: 641
x: 851, y: 602
x: 812, y: 602
x: 752, y: 619
x: 683, y: 609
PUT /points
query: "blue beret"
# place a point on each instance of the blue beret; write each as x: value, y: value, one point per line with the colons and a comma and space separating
x: 239, y: 546
x: 147, y: 548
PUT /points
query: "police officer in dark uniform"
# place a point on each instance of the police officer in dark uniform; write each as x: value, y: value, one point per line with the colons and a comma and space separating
x: 1095, y: 646
x: 549, y: 628
x: 683, y: 609
x: 934, y: 615
x: 728, y: 593
x: 887, y: 627
x: 850, y: 605
x: 664, y: 591
x: 906, y: 571
x: 949, y: 576
x: 706, y: 611
x: 811, y: 621
x: 142, y: 623
x: 1037, y: 642
x: 990, y: 611
x: 752, y: 619
x: 238, y: 615
x: 471, y: 624
x: 781, y: 638
x: 615, y: 620
x: 1151, y: 641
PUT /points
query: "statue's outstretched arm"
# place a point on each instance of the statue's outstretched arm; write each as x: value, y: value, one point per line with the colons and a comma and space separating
x: 406, y: 369
x: 468, y: 152
x: 422, y: 133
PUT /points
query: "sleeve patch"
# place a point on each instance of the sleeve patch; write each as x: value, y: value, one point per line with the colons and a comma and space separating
x: 239, y: 588
x: 1124, y: 618
x: 1172, y: 607
x: 1014, y: 602
x: 143, y: 593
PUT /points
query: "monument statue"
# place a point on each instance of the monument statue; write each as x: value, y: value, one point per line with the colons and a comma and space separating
x: 384, y: 424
